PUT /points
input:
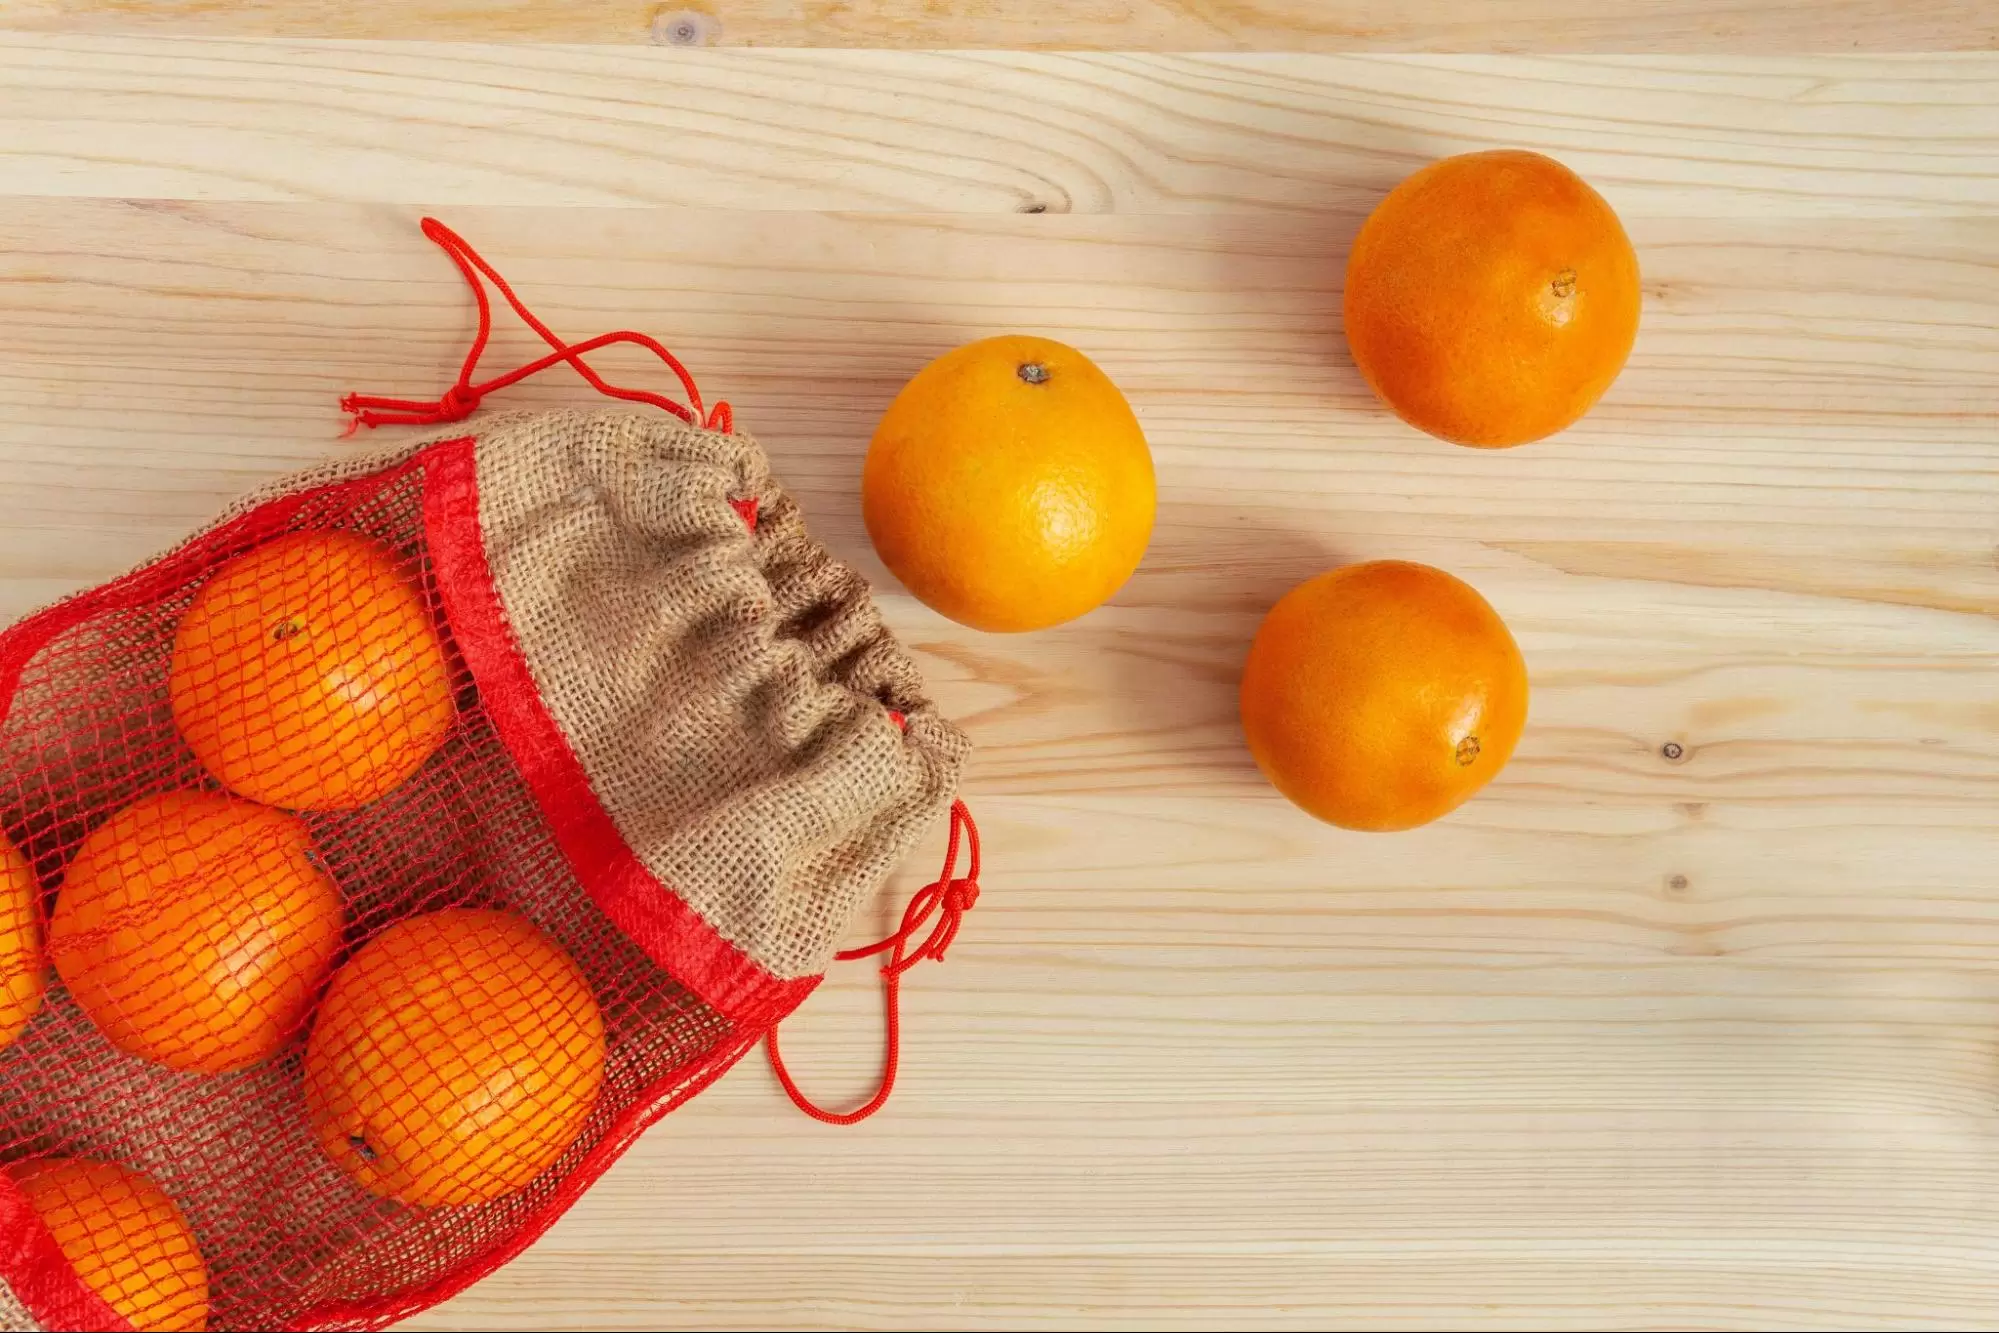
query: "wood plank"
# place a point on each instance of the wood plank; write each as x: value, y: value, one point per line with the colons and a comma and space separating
x: 495, y: 124
x: 1178, y: 25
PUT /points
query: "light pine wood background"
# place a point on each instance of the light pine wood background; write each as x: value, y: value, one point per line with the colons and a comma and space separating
x: 1627, y: 1042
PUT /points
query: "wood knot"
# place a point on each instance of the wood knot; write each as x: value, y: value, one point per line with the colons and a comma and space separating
x: 683, y: 27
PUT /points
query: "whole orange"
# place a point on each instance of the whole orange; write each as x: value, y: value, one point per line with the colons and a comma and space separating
x: 1380, y: 696
x: 195, y: 929
x: 1009, y: 486
x: 1492, y: 298
x: 123, y: 1236
x: 307, y: 673
x: 24, y: 969
x: 454, y: 1058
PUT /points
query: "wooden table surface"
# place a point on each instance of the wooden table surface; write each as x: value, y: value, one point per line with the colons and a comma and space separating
x: 1707, y: 1040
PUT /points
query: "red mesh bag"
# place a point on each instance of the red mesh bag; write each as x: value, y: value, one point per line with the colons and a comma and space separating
x: 381, y: 861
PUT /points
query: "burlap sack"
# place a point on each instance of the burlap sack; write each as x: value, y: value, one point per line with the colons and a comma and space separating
x: 732, y: 713
x: 685, y: 746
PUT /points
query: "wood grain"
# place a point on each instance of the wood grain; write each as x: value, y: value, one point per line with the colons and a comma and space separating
x: 1162, y: 25
x: 1630, y: 1041
x: 900, y: 131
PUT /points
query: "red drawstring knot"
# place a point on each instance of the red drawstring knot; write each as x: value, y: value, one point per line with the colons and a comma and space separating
x: 953, y: 898
x: 459, y: 402
x: 462, y: 399
x: 948, y: 898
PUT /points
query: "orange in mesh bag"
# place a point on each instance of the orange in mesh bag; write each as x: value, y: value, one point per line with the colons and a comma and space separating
x: 413, y: 837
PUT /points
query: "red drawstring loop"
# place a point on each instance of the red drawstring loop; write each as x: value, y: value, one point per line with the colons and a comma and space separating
x: 462, y: 399
x: 948, y: 895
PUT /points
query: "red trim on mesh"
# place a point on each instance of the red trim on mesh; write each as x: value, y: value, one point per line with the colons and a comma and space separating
x: 672, y: 934
x: 40, y: 1277
x: 746, y: 507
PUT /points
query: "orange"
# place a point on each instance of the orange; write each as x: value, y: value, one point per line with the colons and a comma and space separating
x: 123, y: 1236
x: 1381, y: 696
x: 23, y: 968
x: 1492, y: 298
x: 1008, y: 486
x: 454, y: 1058
x: 194, y: 929
x: 307, y: 673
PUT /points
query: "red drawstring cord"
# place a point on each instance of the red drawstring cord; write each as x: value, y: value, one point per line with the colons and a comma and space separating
x: 462, y: 398
x: 950, y: 896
